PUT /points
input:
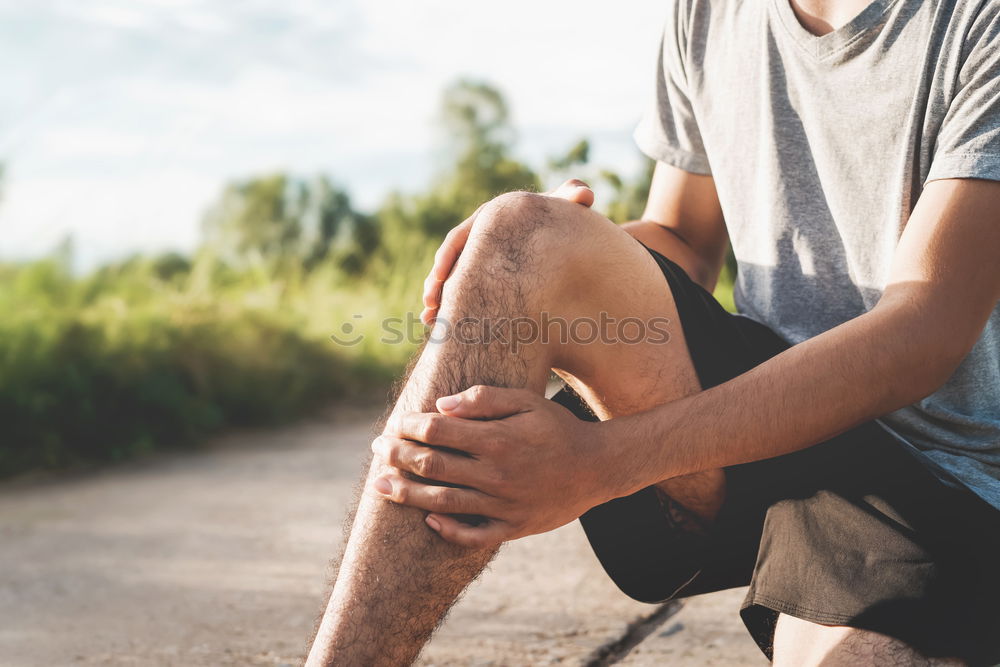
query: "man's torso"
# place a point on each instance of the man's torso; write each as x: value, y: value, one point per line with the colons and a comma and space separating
x: 820, y: 146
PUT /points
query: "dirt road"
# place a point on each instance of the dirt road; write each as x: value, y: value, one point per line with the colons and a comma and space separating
x: 220, y: 557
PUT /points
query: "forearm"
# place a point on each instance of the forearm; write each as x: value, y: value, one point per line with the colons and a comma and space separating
x: 858, y: 371
x: 941, y: 289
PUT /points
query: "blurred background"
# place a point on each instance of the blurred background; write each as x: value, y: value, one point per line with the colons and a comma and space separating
x: 196, y: 194
x: 198, y: 200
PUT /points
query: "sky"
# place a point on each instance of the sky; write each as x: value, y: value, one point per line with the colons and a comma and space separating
x: 121, y: 120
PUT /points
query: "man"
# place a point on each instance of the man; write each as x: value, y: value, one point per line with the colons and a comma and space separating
x: 836, y: 446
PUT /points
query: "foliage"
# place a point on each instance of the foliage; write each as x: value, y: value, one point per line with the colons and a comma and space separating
x: 577, y: 156
x: 132, y: 358
x: 278, y: 218
x: 478, y: 139
x: 629, y: 198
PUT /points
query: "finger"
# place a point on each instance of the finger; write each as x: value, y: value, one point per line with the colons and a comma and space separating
x: 433, y: 288
x: 429, y: 463
x: 432, y: 291
x: 576, y: 191
x: 483, y: 402
x: 444, y: 260
x: 444, y: 499
x: 432, y: 428
x: 427, y: 316
x: 447, y: 254
x: 565, y: 188
x: 490, y: 533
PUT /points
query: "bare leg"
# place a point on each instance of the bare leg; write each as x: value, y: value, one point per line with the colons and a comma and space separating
x: 800, y: 643
x: 398, y: 578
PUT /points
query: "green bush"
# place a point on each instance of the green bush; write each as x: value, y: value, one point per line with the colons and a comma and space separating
x: 147, y: 361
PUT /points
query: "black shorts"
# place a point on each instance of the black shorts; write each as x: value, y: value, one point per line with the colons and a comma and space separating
x: 854, y: 531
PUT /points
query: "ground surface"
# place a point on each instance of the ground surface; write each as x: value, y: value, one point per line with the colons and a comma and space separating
x: 219, y: 558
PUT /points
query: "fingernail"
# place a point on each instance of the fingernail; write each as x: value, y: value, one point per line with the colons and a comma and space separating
x: 448, y: 402
x: 383, y: 486
x: 433, y: 523
x: 376, y: 444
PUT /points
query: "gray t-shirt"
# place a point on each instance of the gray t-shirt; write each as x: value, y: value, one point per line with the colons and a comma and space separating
x: 820, y: 147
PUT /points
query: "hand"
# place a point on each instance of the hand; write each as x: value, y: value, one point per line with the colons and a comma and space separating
x: 573, y: 190
x: 522, y: 462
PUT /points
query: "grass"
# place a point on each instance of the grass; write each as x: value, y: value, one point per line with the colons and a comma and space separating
x: 115, y: 364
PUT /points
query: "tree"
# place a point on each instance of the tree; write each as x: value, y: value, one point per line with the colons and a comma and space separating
x: 478, y: 143
x: 577, y: 156
x: 629, y: 199
x: 256, y: 218
x: 333, y: 229
x: 280, y: 218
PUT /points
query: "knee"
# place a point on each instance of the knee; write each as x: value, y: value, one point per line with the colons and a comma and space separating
x: 513, y: 248
x: 800, y: 642
x: 522, y: 230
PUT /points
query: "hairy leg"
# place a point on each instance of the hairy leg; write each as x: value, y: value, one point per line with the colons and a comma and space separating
x: 799, y: 643
x: 397, y: 578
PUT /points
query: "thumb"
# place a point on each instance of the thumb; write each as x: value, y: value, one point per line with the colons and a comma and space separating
x: 575, y: 191
x: 483, y: 402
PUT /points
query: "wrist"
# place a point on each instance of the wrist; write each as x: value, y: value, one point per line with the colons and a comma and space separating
x: 634, y: 451
x: 614, y: 460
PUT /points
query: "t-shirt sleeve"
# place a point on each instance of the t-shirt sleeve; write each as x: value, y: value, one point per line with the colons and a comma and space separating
x: 968, y: 143
x: 668, y: 131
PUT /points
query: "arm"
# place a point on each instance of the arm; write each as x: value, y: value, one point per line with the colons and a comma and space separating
x: 683, y: 220
x: 943, y: 285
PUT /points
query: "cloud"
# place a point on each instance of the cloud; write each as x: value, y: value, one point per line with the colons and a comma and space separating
x: 116, y: 108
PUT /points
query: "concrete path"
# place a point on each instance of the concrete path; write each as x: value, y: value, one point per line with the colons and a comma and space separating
x: 220, y: 558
